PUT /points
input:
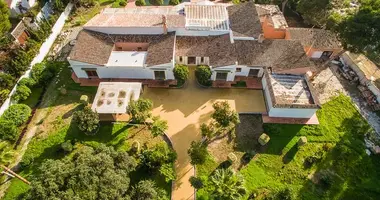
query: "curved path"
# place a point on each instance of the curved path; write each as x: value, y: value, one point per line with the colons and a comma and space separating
x: 185, y: 109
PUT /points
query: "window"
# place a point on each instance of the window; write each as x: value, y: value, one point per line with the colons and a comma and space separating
x: 254, y: 72
x: 202, y: 59
x: 139, y: 48
x: 91, y: 73
x: 191, y: 61
x: 180, y: 59
x: 221, y: 76
x: 119, y: 48
x: 238, y: 69
x: 159, y: 75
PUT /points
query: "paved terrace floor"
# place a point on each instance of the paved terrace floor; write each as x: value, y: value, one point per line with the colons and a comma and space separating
x: 185, y: 109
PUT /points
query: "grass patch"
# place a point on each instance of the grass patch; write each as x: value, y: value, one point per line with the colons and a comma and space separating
x: 240, y: 84
x: 32, y: 100
x: 338, y: 145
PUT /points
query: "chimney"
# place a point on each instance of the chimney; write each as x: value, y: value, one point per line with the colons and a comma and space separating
x: 164, y: 26
x: 261, y: 38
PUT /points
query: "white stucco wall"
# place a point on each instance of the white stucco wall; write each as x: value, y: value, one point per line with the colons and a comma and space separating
x: 245, y: 70
x: 230, y: 69
x: 285, y: 112
x: 127, y: 30
x: 122, y: 72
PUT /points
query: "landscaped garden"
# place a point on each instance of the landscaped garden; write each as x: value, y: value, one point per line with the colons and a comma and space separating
x: 68, y: 134
x: 331, y: 164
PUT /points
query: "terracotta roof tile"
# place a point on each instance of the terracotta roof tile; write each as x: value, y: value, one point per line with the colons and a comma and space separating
x: 318, y: 38
x: 244, y: 20
x: 93, y: 47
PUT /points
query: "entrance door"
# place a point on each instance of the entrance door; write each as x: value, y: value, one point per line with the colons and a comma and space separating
x: 191, y: 60
x: 221, y: 76
x: 159, y: 75
x: 253, y: 72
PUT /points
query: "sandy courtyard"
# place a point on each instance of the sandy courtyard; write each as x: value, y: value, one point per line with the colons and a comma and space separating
x: 185, y: 109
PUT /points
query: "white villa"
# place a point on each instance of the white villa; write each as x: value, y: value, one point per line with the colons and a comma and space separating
x: 143, y: 44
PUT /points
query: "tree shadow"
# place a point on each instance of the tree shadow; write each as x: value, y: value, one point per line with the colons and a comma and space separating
x: 290, y: 154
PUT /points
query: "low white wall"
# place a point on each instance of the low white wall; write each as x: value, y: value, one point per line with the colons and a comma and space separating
x: 292, y: 112
x: 185, y: 32
x: 121, y: 72
x: 127, y: 30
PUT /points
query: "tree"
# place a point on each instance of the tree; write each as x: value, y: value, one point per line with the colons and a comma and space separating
x: 198, y: 153
x: 157, y: 2
x: 174, y: 2
x: 100, y: 173
x: 140, y: 3
x: 147, y: 190
x: 17, y: 113
x: 360, y: 32
x: 5, y: 24
x: 158, y: 127
x: 317, y: 12
x: 228, y: 184
x: 140, y: 110
x: 67, y: 146
x: 167, y: 171
x: 224, y: 115
x: 22, y: 93
x: 207, y: 131
x: 8, y: 130
x: 181, y: 72
x: 203, y: 74
x: 87, y: 120
x: 155, y: 157
x: 28, y: 82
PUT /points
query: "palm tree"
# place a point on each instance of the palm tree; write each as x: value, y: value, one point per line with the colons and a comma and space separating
x: 6, y: 156
x: 228, y: 185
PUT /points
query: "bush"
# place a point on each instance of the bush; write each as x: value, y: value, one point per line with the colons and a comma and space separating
x: 197, y: 152
x: 43, y: 73
x: 326, y: 180
x: 174, y: 2
x: 203, y: 75
x: 181, y: 73
x: 87, y: 120
x: 8, y: 130
x: 155, y: 157
x: 28, y: 82
x: 224, y: 115
x: 167, y: 171
x: 196, y: 182
x: 140, y: 110
x: 67, y: 146
x: 140, y: 3
x: 6, y: 80
x: 4, y: 94
x: 236, y: 1
x: 146, y: 190
x: 122, y: 2
x: 22, y: 93
x: 157, y: 2
x: 158, y: 127
x: 18, y: 114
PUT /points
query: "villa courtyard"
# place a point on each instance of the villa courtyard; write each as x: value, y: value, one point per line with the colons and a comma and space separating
x: 186, y: 109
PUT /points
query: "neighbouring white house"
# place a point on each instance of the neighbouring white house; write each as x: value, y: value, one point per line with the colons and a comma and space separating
x: 19, y: 6
x: 144, y: 44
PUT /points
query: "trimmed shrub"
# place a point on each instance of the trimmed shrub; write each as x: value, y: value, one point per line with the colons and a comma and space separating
x: 196, y: 182
x: 156, y: 2
x: 122, y: 2
x: 4, y: 94
x: 8, y: 130
x: 236, y: 1
x: 203, y: 75
x: 167, y: 171
x: 174, y: 2
x: 155, y: 157
x: 67, y: 146
x: 198, y: 153
x: 87, y: 120
x: 18, y: 114
x: 140, y: 3
x: 28, y: 82
x: 181, y: 73
x: 22, y: 93
x: 6, y: 80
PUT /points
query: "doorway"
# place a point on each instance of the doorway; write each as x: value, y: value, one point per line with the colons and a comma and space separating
x: 191, y: 60
x: 253, y: 72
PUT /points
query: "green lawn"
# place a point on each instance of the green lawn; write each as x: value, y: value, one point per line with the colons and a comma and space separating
x: 32, y: 100
x: 339, y: 140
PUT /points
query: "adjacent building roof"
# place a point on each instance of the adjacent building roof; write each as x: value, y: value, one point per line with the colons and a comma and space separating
x: 317, y: 38
x: 291, y: 91
x: 280, y: 54
x: 218, y: 48
x: 273, y: 13
x: 137, y: 17
x: 206, y: 17
x: 95, y: 48
x: 114, y: 97
x: 244, y: 20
